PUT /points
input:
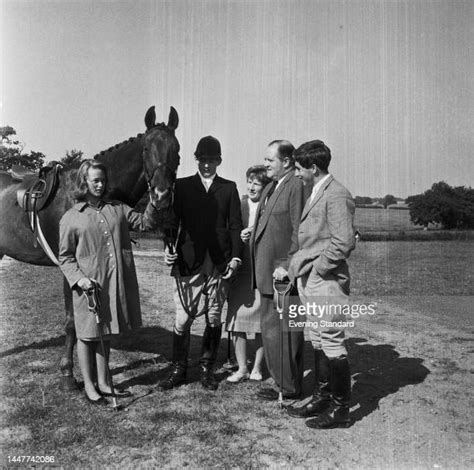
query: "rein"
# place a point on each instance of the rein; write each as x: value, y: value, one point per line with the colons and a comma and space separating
x: 209, y: 291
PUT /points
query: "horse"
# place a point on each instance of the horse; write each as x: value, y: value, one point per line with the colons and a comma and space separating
x: 147, y: 161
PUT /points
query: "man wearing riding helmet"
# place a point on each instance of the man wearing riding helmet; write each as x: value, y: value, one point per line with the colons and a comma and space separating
x: 204, y: 250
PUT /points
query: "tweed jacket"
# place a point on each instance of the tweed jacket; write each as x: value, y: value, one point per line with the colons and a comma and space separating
x: 326, y: 233
x: 274, y: 239
x: 206, y: 222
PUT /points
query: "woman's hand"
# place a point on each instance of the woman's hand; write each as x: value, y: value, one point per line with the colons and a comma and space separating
x: 85, y: 283
x: 245, y: 234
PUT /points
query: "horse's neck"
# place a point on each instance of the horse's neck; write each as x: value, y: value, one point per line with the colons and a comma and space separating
x: 124, y: 164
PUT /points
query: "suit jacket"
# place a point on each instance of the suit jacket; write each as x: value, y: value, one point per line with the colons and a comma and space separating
x: 206, y: 221
x: 326, y: 233
x: 274, y: 239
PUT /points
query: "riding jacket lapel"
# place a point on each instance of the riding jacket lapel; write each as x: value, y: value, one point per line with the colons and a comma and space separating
x: 216, y: 183
x: 309, y: 205
x: 197, y: 183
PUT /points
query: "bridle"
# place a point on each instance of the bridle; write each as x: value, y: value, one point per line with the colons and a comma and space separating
x: 173, y: 170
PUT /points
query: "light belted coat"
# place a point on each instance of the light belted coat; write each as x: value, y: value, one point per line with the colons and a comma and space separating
x: 326, y: 234
x: 96, y: 244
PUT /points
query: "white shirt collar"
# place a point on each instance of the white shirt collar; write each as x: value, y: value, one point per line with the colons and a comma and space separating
x: 318, y: 186
x: 207, y: 181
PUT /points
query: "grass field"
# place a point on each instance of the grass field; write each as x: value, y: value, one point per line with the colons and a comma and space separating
x: 383, y: 220
x: 411, y: 369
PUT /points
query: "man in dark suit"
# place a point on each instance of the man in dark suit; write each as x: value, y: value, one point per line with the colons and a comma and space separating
x: 207, y: 223
x: 273, y: 242
x: 326, y: 238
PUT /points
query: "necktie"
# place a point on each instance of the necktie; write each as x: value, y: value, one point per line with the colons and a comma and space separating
x: 272, y: 190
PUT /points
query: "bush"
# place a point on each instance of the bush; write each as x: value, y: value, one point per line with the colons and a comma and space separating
x: 445, y: 205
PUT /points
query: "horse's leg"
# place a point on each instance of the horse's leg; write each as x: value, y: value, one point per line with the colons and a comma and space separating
x: 67, y: 364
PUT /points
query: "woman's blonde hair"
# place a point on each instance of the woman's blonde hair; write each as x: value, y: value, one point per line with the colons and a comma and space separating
x: 81, y: 189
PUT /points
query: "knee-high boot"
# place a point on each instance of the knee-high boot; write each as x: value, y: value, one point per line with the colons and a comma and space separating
x: 340, y: 381
x: 177, y: 375
x: 210, y: 347
x: 321, y: 394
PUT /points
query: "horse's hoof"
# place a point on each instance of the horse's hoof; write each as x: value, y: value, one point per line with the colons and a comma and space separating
x: 68, y: 384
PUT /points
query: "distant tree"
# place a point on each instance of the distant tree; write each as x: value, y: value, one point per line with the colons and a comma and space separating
x: 11, y: 152
x: 363, y: 200
x: 72, y: 156
x: 442, y: 204
x: 388, y: 200
x: 7, y: 133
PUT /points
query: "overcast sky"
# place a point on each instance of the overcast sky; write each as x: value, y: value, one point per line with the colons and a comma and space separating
x: 388, y: 85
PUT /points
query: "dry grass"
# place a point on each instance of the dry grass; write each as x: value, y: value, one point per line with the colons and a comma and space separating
x: 409, y: 388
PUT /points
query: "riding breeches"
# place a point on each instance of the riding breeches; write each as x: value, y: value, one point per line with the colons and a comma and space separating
x: 329, y: 293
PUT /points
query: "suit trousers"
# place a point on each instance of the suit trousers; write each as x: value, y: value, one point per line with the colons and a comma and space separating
x: 292, y: 349
x: 313, y: 289
x: 191, y: 289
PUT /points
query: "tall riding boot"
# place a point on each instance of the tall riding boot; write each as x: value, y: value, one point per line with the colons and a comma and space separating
x: 321, y: 395
x: 180, y: 361
x: 210, y: 347
x: 340, y: 380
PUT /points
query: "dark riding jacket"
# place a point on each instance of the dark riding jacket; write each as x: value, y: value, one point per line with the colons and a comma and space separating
x: 206, y: 222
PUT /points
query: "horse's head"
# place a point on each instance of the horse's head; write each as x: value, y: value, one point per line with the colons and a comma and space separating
x: 160, y: 157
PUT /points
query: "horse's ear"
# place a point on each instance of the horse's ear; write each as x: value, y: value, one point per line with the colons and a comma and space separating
x: 173, y: 119
x: 150, y: 117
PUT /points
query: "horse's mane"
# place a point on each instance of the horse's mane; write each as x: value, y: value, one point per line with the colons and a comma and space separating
x: 116, y: 147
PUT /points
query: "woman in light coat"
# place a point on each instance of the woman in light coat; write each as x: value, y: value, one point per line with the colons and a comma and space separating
x: 95, y: 247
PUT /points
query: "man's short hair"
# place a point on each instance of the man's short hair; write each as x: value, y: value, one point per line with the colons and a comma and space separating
x: 314, y: 152
x: 285, y: 149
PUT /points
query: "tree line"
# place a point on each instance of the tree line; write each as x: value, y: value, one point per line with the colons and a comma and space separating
x: 12, y: 153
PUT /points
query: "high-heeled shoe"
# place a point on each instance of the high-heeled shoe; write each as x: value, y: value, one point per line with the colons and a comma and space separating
x: 238, y: 377
x: 256, y: 376
x: 100, y: 401
x: 118, y: 393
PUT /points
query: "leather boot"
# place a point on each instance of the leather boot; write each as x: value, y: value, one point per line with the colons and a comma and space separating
x: 321, y: 395
x: 177, y: 375
x: 340, y: 380
x: 210, y: 347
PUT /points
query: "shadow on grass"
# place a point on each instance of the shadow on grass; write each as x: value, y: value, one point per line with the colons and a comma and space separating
x: 377, y: 372
x: 159, y: 341
x: 47, y: 343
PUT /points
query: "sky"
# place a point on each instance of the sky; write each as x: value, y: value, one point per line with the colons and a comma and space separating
x: 387, y: 85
